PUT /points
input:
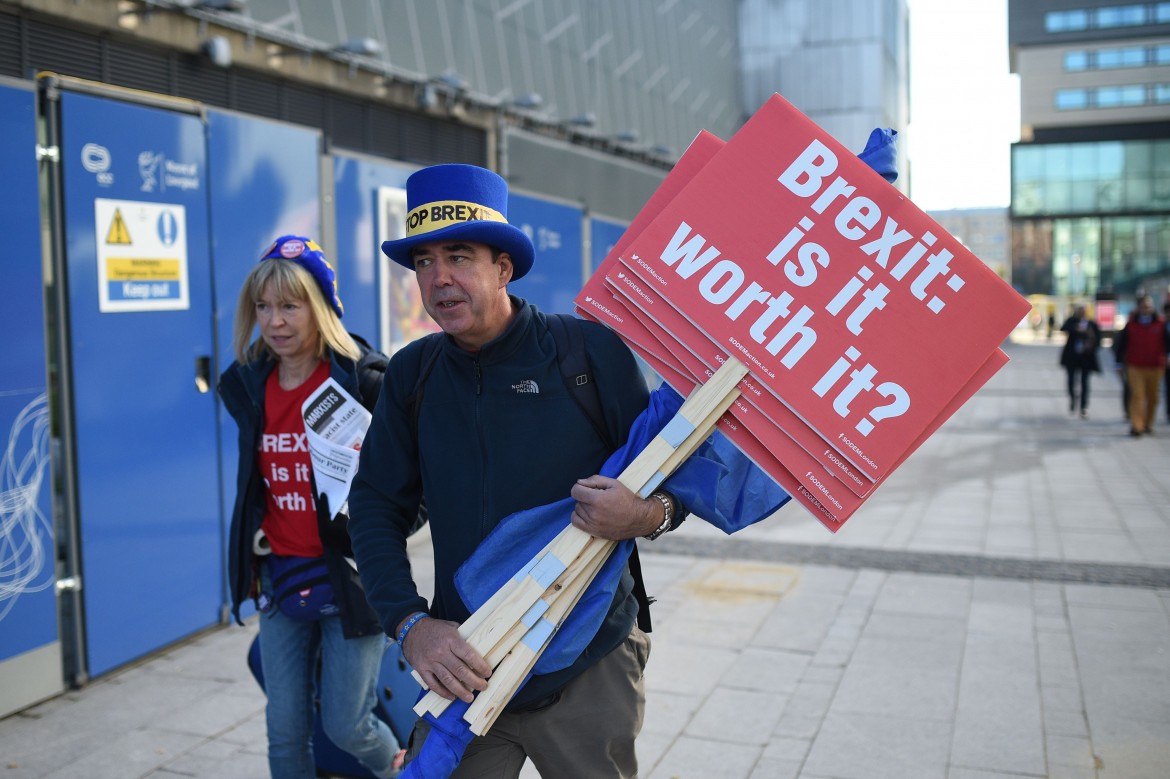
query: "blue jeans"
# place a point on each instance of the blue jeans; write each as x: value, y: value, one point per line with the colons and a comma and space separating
x: 349, y: 672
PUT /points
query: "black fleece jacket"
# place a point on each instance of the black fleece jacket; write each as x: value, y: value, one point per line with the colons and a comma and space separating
x: 497, y: 432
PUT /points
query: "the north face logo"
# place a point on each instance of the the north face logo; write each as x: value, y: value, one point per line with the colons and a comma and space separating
x: 527, y: 387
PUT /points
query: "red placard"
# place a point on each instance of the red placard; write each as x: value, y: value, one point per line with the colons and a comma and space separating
x: 811, y: 479
x: 845, y: 300
x: 681, y: 336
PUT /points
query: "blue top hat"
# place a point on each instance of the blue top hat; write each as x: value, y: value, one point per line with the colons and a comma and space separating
x: 309, y: 256
x: 452, y: 202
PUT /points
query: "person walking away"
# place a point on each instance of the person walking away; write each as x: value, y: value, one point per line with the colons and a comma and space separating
x: 279, y: 528
x: 1079, y: 358
x: 1142, y: 350
x: 487, y: 429
x: 1166, y: 371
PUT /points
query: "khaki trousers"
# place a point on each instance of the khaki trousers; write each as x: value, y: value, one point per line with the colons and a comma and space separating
x: 1144, y: 384
x: 588, y: 733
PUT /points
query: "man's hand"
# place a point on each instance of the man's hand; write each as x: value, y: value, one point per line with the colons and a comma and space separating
x: 606, y: 508
x: 447, y: 663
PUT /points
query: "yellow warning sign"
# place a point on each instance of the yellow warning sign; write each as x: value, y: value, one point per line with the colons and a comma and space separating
x: 129, y: 269
x: 118, y: 234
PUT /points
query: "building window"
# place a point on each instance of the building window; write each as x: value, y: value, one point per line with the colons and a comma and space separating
x: 1076, y: 60
x: 1133, y: 15
x: 1120, y: 16
x: 1086, y: 178
x: 1115, y: 97
x: 1064, y: 21
x: 1071, y: 99
x: 1117, y: 57
x: 1162, y: 93
x: 1101, y: 97
x: 1128, y: 57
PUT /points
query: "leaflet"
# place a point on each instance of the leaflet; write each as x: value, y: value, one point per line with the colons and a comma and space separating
x: 335, y: 426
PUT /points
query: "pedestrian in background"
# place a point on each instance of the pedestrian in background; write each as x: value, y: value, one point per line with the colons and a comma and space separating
x: 1142, y: 350
x: 278, y: 526
x: 1166, y: 371
x: 1079, y: 358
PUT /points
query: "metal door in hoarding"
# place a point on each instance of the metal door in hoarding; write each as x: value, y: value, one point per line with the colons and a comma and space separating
x: 135, y: 223
x: 30, y: 650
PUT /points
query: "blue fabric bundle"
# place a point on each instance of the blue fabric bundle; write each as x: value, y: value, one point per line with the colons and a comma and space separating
x: 717, y: 483
x: 881, y: 154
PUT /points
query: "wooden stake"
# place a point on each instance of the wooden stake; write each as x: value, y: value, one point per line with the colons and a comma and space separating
x: 492, y: 629
x: 513, y: 669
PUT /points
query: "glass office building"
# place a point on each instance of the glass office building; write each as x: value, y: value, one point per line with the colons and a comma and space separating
x: 1090, y: 203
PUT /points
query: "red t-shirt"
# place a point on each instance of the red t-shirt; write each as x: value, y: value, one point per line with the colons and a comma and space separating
x: 290, y: 515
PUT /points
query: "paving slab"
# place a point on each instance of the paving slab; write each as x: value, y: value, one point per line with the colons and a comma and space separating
x: 998, y: 609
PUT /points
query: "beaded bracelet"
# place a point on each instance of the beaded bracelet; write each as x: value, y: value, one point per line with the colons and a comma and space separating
x: 415, y: 617
x: 668, y: 511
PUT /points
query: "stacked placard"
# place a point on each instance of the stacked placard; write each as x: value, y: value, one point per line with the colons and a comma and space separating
x: 864, y: 325
x: 806, y: 308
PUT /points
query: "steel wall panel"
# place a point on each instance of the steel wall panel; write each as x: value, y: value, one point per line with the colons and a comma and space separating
x: 557, y: 232
x: 28, y: 603
x: 264, y: 182
x: 382, y: 299
x: 145, y: 430
x: 604, y: 233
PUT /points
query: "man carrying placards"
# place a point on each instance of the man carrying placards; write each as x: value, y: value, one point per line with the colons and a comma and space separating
x: 495, y: 432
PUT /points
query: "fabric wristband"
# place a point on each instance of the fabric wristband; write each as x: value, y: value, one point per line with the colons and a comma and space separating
x: 415, y: 617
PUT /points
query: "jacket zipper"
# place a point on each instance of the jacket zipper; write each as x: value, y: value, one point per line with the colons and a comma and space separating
x: 483, y: 487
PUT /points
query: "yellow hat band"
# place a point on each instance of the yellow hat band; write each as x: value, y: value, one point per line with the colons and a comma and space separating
x: 444, y: 213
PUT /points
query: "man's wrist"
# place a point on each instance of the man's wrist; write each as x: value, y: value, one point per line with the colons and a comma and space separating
x: 407, y: 624
x: 667, y: 515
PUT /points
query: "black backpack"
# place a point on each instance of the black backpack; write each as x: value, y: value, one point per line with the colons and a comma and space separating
x: 578, y: 378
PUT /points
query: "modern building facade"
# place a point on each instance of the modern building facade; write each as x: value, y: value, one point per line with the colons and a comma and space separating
x: 985, y: 232
x: 1090, y: 202
x: 845, y: 65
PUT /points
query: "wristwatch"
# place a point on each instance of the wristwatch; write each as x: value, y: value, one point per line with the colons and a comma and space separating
x: 668, y: 515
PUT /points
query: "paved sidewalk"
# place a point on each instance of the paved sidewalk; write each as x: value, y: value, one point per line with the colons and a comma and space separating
x: 999, y: 608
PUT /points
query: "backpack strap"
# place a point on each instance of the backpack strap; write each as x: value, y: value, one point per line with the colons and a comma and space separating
x: 578, y: 378
x: 431, y: 347
x: 576, y: 373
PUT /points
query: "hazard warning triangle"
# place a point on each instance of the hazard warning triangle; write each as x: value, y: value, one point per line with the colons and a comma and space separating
x: 118, y: 233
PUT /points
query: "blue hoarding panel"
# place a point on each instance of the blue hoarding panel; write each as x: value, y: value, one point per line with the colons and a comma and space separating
x: 603, y: 235
x: 264, y: 181
x: 557, y: 275
x: 28, y: 603
x: 135, y: 214
x: 370, y: 201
